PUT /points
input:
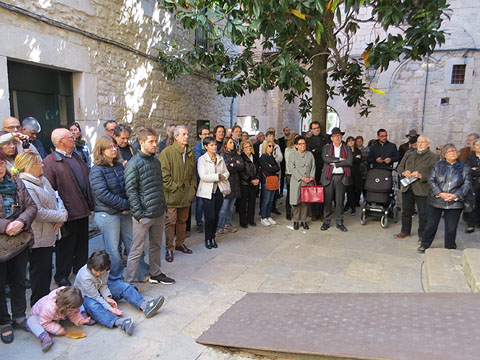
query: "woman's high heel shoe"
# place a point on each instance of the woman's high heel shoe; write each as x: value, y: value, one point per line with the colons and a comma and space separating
x: 208, y: 244
x: 214, y: 243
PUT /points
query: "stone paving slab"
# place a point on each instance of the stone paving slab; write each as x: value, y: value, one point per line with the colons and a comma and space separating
x: 442, y: 272
x: 471, y: 268
x: 360, y: 326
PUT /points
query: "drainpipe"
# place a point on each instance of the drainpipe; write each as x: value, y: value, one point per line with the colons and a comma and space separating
x: 425, y: 94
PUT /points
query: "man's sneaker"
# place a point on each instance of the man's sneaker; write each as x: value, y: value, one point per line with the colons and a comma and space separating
x: 162, y: 279
x: 127, y: 326
x: 265, y: 222
x: 271, y: 221
x: 230, y: 228
x: 153, y: 306
x: 46, y: 341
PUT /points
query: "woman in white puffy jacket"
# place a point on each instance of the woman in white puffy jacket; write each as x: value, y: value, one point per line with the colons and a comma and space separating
x: 51, y: 215
x: 213, y: 186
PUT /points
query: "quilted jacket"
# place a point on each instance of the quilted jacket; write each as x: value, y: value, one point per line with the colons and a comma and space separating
x: 108, y: 186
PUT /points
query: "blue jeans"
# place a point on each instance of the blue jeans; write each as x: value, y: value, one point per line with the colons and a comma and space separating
x: 226, y: 213
x: 198, y: 210
x: 119, y: 290
x: 267, y: 202
x: 116, y: 230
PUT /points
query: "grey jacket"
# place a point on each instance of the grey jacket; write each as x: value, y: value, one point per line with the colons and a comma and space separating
x: 94, y: 287
x: 50, y: 210
x: 300, y: 165
x: 327, y: 159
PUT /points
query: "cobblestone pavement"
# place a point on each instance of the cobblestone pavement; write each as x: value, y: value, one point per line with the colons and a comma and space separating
x: 258, y: 259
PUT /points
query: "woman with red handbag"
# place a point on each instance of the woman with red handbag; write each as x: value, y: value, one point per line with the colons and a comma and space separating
x: 302, y: 167
x: 269, y: 169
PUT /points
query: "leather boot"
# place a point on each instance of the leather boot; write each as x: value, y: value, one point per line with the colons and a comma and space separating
x: 214, y: 243
x: 296, y: 226
x: 208, y: 244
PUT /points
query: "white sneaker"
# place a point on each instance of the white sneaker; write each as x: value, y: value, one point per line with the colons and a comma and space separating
x: 271, y: 221
x: 265, y: 222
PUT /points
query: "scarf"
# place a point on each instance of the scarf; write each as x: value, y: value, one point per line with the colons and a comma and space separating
x: 8, y: 189
x: 343, y: 154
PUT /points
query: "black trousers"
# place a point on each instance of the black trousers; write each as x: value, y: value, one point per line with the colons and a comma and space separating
x: 16, y: 270
x: 246, y: 204
x: 71, y: 251
x: 334, y: 190
x: 288, y: 207
x: 409, y: 199
x: 450, y: 216
x: 40, y: 272
x: 211, y: 211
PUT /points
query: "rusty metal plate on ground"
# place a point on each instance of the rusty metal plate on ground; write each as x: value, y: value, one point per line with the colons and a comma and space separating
x: 360, y: 326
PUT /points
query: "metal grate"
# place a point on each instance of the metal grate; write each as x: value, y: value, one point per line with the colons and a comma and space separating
x: 458, y: 74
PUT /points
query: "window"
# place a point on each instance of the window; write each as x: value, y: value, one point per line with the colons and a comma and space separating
x: 458, y: 74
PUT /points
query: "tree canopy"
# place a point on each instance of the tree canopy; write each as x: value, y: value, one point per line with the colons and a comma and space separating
x: 303, y: 43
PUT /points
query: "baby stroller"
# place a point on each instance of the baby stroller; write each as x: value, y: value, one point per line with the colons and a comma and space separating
x: 381, y: 196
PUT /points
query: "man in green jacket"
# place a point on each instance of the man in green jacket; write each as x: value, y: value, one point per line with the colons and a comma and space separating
x: 415, y: 170
x: 179, y: 187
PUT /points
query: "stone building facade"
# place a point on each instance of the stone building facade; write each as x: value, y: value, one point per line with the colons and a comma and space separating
x: 119, y: 81
x: 418, y: 95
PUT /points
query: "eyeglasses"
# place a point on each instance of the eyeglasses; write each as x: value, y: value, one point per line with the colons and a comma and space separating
x: 301, y: 143
x: 112, y: 147
x: 13, y: 127
x: 315, y: 128
x: 269, y: 145
x: 247, y: 146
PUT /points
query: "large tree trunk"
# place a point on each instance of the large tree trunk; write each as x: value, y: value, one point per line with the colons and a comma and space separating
x: 319, y: 91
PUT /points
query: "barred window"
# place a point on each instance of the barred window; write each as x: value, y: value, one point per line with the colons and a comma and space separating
x: 458, y: 74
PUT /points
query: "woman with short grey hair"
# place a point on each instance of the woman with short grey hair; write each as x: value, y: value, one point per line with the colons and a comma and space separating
x: 450, y: 182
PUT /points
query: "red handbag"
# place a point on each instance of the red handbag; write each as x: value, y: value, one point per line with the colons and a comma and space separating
x: 312, y: 194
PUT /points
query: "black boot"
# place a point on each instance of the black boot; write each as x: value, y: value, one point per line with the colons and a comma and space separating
x: 305, y: 225
x: 288, y: 212
x: 208, y: 243
x: 214, y: 243
x: 296, y: 225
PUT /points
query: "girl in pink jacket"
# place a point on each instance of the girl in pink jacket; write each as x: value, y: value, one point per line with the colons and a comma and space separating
x: 66, y: 301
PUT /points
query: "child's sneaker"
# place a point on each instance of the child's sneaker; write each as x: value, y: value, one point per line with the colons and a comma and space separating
x: 153, y: 306
x: 46, y: 341
x: 127, y: 326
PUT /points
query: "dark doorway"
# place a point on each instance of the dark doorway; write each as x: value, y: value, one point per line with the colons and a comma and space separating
x: 44, y: 93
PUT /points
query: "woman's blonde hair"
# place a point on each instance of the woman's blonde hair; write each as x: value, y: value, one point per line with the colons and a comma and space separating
x: 265, y: 146
x: 292, y: 138
x: 101, y: 145
x: 245, y: 142
x: 25, y: 161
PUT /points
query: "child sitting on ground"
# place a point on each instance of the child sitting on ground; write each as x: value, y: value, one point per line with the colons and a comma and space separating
x: 57, y: 305
x: 100, y: 297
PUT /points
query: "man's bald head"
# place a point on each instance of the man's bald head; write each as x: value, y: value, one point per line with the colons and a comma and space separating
x: 63, y: 139
x: 11, y: 124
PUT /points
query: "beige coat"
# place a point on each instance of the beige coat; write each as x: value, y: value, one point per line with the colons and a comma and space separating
x: 209, y: 174
x: 50, y: 210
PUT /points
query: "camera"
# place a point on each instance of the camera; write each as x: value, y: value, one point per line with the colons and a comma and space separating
x: 25, y: 144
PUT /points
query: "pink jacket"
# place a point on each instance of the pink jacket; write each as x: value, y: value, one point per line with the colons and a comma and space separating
x: 46, y: 310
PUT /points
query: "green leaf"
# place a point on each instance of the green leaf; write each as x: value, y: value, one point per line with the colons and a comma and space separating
x: 318, y: 32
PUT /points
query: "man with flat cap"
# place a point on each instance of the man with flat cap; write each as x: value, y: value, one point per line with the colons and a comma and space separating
x: 412, y: 139
x: 336, y: 176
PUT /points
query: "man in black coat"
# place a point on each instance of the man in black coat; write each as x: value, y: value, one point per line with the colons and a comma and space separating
x: 336, y: 176
x: 383, y: 154
x: 315, y: 144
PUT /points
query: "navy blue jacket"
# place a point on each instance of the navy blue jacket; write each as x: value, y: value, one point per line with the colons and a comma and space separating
x: 387, y: 150
x: 108, y: 186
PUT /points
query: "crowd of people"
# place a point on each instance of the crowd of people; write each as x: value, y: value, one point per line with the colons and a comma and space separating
x: 138, y: 190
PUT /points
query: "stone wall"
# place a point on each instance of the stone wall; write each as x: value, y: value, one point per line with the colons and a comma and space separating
x: 110, y: 82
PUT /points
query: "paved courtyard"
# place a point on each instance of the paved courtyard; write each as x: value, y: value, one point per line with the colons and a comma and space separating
x: 258, y: 259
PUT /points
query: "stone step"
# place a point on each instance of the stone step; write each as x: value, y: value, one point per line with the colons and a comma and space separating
x: 443, y: 271
x: 471, y: 268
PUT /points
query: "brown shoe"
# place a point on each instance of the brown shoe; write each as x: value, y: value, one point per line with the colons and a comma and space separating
x: 401, y: 235
x: 420, y: 241
x: 169, y: 255
x: 184, y: 249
